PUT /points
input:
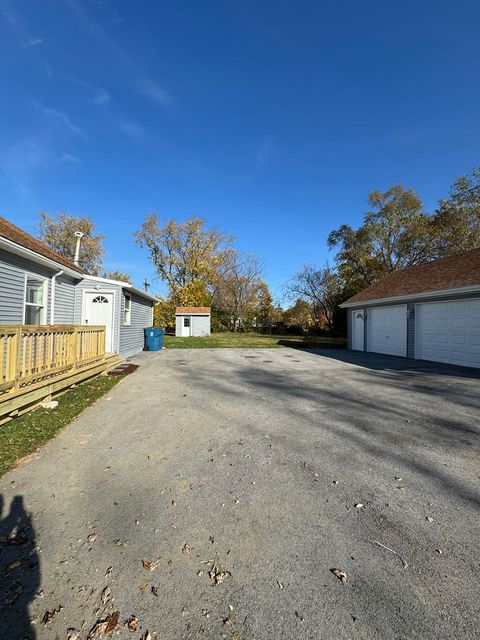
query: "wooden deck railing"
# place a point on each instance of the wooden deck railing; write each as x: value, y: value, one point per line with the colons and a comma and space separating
x: 29, y: 354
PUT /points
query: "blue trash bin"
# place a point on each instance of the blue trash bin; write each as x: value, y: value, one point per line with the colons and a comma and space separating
x: 154, y: 338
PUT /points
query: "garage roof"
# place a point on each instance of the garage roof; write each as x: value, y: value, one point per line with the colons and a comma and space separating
x: 455, y: 272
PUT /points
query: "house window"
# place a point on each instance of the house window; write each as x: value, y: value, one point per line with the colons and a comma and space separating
x: 127, y: 310
x: 35, y: 299
x: 100, y: 300
x: 186, y: 322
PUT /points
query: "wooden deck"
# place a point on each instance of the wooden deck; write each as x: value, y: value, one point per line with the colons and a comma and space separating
x: 38, y: 361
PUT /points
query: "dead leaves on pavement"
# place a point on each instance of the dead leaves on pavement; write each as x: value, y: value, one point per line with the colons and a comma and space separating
x: 341, y: 575
x: 218, y: 574
x: 149, y: 566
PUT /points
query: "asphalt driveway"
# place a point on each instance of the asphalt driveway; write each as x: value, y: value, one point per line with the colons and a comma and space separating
x: 238, y: 472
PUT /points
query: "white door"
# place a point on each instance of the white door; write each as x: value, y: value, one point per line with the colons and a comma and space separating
x: 387, y: 330
x: 358, y: 335
x: 448, y: 332
x: 186, y: 326
x: 99, y: 311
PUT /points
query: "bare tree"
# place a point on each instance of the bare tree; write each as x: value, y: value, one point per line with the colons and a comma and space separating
x: 237, y: 287
x: 321, y: 287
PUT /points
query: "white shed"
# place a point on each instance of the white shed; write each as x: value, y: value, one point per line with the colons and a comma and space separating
x: 192, y: 321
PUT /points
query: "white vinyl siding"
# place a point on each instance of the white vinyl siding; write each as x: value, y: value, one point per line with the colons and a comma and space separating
x: 200, y: 325
x: 449, y: 332
x: 387, y: 330
x: 192, y: 325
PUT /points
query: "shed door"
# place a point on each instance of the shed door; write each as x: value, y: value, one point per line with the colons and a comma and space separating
x: 449, y: 332
x: 186, y: 326
x: 99, y: 311
x: 387, y: 330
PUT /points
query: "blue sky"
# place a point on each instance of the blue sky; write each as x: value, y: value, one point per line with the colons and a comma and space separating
x: 270, y: 119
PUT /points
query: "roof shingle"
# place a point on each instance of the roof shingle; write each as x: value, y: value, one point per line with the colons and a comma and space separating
x: 460, y: 270
x: 13, y: 233
x: 181, y: 310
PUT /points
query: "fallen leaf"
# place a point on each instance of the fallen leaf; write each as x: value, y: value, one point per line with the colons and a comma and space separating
x: 92, y: 537
x: 132, y: 623
x: 97, y: 630
x: 218, y: 575
x: 228, y: 622
x: 211, y: 539
x: 341, y: 575
x: 148, y: 636
x: 280, y: 585
x: 154, y: 591
x: 106, y: 595
x: 359, y: 505
x: 429, y: 519
x: 174, y: 504
x: 112, y: 622
x: 13, y: 592
x: 121, y: 543
x: 108, y: 572
x: 48, y: 616
x: 149, y: 566
x: 144, y: 587
x: 302, y: 620
x: 14, y: 565
x: 186, y: 550
x: 73, y: 634
x: 235, y: 635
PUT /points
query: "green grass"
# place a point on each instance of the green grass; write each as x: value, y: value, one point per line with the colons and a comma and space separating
x: 248, y: 341
x: 25, y: 434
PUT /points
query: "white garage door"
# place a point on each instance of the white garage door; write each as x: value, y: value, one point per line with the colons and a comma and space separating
x: 449, y: 332
x: 387, y: 330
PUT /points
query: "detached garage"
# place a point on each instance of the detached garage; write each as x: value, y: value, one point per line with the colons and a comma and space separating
x: 428, y: 312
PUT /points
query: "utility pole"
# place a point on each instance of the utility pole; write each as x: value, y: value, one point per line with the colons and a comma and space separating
x: 146, y: 284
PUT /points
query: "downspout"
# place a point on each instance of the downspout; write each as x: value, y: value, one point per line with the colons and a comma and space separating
x: 52, y: 297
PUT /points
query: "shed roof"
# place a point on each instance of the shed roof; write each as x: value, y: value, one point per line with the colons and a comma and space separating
x: 11, y: 232
x: 454, y: 272
x: 192, y: 310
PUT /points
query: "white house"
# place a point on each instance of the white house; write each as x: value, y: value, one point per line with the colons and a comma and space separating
x: 192, y: 321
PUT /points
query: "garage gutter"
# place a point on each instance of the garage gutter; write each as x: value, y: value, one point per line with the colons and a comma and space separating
x: 412, y: 296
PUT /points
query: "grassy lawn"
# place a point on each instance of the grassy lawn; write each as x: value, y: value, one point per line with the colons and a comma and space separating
x: 27, y: 433
x: 247, y: 341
